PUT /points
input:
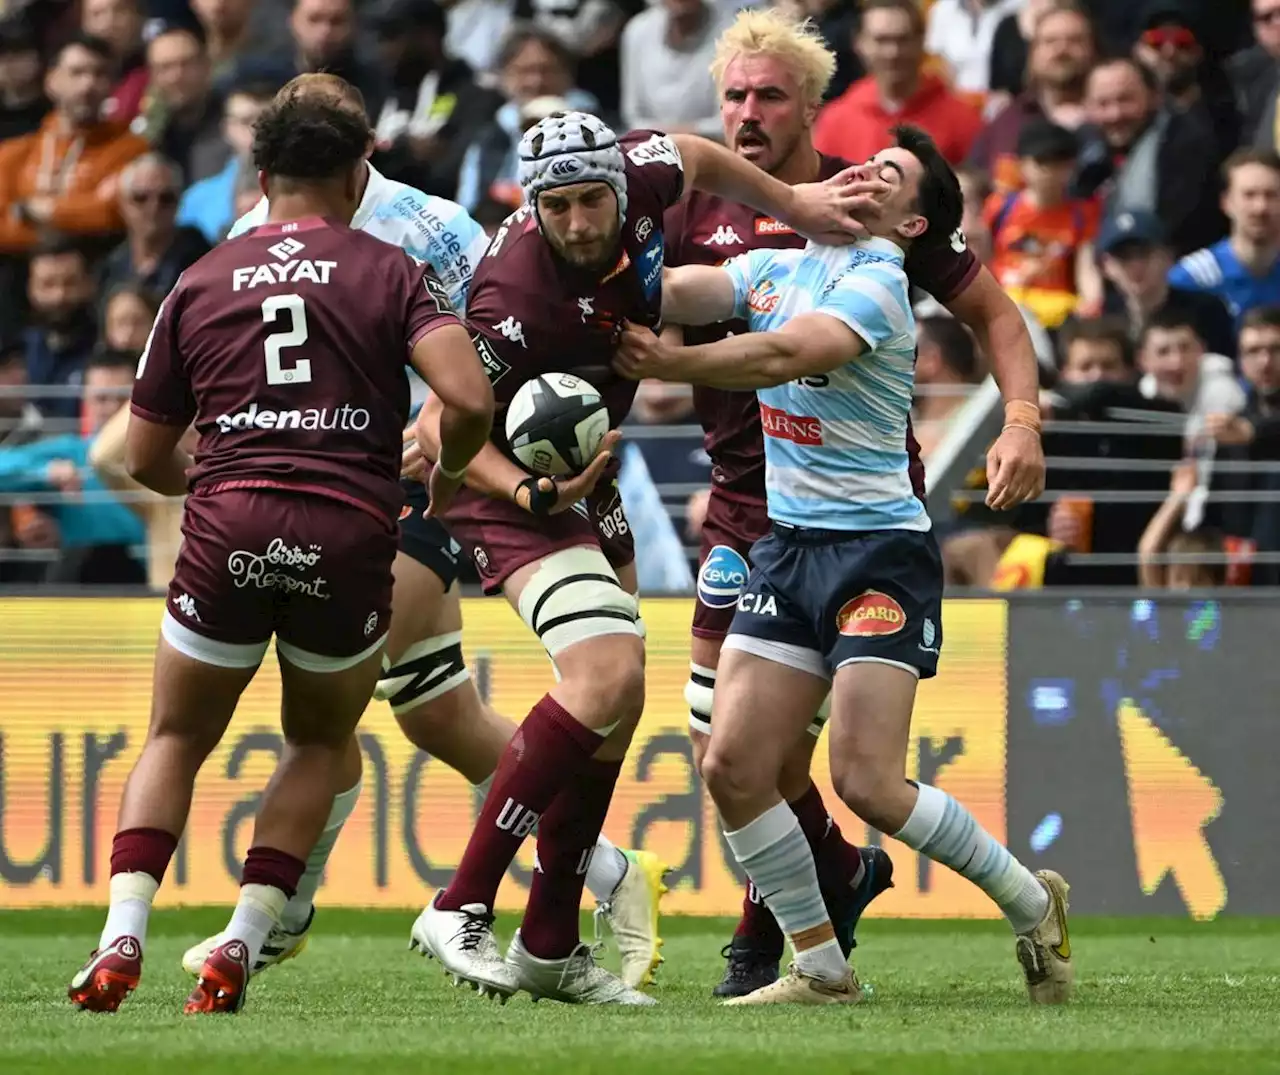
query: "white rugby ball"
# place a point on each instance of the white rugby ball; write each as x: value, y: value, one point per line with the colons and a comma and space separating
x: 555, y: 424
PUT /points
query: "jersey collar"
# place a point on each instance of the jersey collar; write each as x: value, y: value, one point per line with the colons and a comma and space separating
x: 374, y: 190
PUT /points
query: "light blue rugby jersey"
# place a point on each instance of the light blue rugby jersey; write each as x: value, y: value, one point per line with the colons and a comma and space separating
x: 434, y: 230
x: 836, y: 445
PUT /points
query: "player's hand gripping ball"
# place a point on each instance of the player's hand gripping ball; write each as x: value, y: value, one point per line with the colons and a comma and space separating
x: 555, y: 424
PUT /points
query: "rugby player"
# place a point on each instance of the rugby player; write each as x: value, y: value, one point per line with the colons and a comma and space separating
x: 560, y: 275
x: 847, y: 587
x: 425, y: 678
x: 772, y: 72
x: 289, y: 528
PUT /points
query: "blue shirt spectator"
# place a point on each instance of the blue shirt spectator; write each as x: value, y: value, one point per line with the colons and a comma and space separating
x: 60, y: 337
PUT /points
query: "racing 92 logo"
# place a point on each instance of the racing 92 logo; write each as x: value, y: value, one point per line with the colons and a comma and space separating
x: 721, y: 578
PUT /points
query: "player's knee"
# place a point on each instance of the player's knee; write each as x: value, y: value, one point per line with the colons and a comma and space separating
x: 619, y: 688
x: 731, y: 776
x: 422, y: 676
x: 861, y: 787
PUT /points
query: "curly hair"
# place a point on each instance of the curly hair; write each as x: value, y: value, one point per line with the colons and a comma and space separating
x: 309, y: 137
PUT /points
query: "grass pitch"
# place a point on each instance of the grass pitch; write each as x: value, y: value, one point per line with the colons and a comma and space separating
x: 1153, y: 996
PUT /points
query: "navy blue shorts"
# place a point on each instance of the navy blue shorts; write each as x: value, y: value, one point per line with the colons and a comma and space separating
x: 842, y: 597
x: 426, y: 540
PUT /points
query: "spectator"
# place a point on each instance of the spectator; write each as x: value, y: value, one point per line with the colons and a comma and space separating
x: 60, y: 338
x: 1177, y: 369
x: 1165, y: 535
x: 1041, y: 238
x: 20, y: 420
x: 947, y: 368
x: 210, y: 204
x: 226, y: 34
x: 658, y: 402
x: 63, y: 176
x: 975, y: 188
x: 96, y: 534
x: 1255, y: 76
x: 1009, y: 49
x: 1171, y: 48
x: 155, y: 250
x: 1062, y: 53
x: 324, y: 39
x: 898, y: 90
x: 1136, y: 260
x: 477, y: 31
x: 128, y: 312
x: 23, y: 104
x: 490, y: 215
x: 119, y: 24
x: 1139, y: 157
x: 961, y: 33
x: 536, y: 68
x: 592, y: 31
x: 1253, y: 437
x: 182, y: 118
x: 1243, y: 270
x: 433, y: 106
x: 665, y: 64
x: 837, y: 21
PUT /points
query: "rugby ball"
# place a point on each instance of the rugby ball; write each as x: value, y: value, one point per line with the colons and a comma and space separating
x: 555, y: 424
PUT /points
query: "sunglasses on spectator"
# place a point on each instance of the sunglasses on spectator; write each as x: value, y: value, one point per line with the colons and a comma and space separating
x: 1178, y: 37
x: 156, y: 197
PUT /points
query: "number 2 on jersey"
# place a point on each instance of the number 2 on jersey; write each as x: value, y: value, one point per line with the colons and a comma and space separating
x: 294, y: 336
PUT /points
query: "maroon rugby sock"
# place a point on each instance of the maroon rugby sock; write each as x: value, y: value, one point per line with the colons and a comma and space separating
x: 757, y: 926
x: 838, y: 861
x: 566, y: 840
x: 548, y: 752
x: 142, y: 851
x: 267, y: 866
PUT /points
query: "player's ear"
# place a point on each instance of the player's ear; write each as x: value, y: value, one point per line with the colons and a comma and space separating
x: 913, y: 227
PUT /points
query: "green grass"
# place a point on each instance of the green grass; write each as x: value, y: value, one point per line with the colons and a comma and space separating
x: 1153, y: 996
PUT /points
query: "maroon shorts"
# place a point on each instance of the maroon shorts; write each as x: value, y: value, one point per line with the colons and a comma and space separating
x: 501, y: 538
x: 733, y: 524
x: 314, y: 571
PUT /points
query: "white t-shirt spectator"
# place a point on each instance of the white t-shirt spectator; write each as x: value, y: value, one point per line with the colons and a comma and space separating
x: 963, y: 38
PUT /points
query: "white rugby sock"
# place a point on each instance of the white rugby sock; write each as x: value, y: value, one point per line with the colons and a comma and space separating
x: 131, y: 898
x: 607, y: 869
x: 775, y: 854
x: 257, y: 911
x: 945, y: 831
x: 298, y: 909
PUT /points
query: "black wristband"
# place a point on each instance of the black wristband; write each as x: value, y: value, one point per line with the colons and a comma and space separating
x: 541, y: 500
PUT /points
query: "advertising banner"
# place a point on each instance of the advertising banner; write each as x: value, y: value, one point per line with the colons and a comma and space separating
x: 75, y: 683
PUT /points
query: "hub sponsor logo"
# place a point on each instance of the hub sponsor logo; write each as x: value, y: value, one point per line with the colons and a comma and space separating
x: 797, y: 428
x: 871, y: 613
x: 721, y: 578
x: 345, y: 419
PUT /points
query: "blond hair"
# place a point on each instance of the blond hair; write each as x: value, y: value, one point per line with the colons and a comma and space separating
x: 769, y: 32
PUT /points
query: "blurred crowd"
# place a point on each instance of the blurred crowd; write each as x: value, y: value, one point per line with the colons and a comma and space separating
x: 1119, y: 161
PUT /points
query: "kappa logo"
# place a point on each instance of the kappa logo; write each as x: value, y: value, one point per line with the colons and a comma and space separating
x: 513, y: 330
x: 566, y: 168
x: 724, y: 235
x: 870, y: 613
x: 187, y: 606
x: 371, y: 624
x: 285, y: 249
x: 644, y: 228
x: 587, y: 306
x: 763, y: 298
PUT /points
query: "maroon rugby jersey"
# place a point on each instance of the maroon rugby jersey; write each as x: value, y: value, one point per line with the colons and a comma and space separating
x: 705, y: 230
x: 287, y: 348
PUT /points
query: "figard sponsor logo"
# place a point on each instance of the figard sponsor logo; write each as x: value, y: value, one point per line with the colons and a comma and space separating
x: 266, y: 570
x: 871, y: 613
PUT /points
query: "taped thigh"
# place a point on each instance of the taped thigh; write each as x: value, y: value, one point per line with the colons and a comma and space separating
x: 824, y: 715
x: 424, y: 672
x: 575, y: 596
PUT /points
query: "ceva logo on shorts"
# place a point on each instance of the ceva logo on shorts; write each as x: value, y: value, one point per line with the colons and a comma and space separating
x: 721, y: 578
x: 346, y: 418
x: 871, y: 613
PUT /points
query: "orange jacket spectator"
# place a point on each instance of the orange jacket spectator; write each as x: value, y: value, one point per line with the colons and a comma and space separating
x: 856, y: 124
x: 63, y: 176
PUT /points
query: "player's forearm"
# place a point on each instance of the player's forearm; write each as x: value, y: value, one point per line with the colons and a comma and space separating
x: 1155, y: 539
x: 753, y: 360
x: 489, y: 471
x: 166, y: 475
x: 696, y: 295
x: 463, y: 434
x: 719, y: 171
x: 1002, y: 334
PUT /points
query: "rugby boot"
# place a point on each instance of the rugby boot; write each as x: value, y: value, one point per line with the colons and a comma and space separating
x: 1045, y: 952
x: 749, y: 968
x: 631, y: 913
x: 222, y: 983
x: 111, y: 974
x: 796, y: 987
x: 576, y: 979
x: 281, y: 945
x: 846, y: 908
x: 463, y: 941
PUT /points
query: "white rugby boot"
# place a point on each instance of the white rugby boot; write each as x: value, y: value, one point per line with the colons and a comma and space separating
x: 280, y: 946
x: 463, y: 941
x: 574, y: 980
x: 1045, y: 952
x: 796, y: 987
x: 631, y: 913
